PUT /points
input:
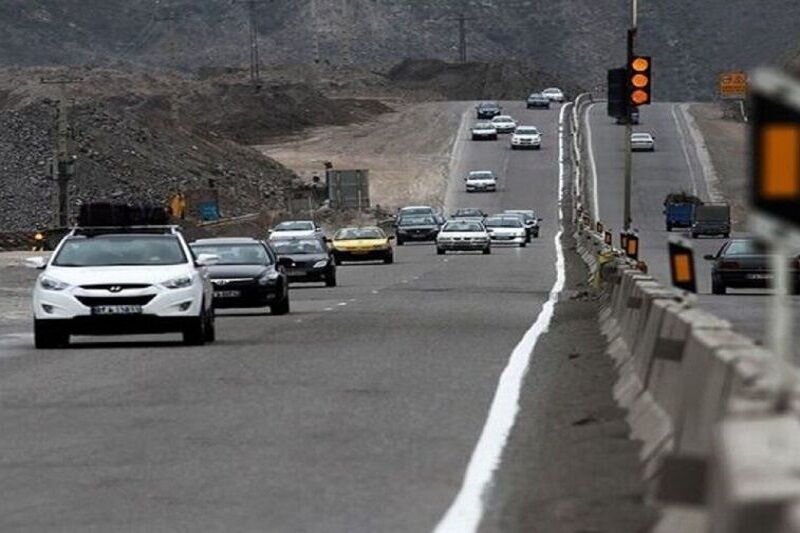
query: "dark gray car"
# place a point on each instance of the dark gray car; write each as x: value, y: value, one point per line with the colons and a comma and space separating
x: 745, y: 264
x: 416, y: 228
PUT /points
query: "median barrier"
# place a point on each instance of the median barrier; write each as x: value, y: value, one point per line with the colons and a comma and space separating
x: 754, y: 478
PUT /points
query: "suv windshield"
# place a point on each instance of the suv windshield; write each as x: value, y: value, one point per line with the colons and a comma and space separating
x: 407, y: 211
x: 235, y: 254
x: 120, y: 250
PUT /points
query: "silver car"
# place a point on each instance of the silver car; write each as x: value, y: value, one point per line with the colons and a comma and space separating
x: 643, y: 142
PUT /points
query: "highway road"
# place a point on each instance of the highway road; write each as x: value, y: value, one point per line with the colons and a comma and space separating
x: 359, y: 411
x: 674, y: 166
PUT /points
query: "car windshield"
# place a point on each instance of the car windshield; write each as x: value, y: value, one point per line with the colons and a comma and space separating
x: 640, y: 136
x: 480, y: 175
x: 298, y: 246
x: 406, y: 211
x: 502, y: 118
x: 348, y: 234
x: 468, y: 213
x: 489, y: 105
x: 745, y: 247
x: 505, y: 222
x: 417, y: 221
x: 462, y: 226
x: 120, y: 250
x: 295, y: 226
x: 235, y: 254
x: 483, y: 126
x: 525, y: 216
x: 527, y: 130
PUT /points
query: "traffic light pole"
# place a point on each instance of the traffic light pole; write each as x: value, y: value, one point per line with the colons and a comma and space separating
x: 626, y: 216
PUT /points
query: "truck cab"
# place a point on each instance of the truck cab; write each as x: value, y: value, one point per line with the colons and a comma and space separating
x: 679, y: 210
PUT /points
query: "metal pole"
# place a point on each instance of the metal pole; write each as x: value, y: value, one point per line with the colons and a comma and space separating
x: 780, y: 326
x: 626, y: 215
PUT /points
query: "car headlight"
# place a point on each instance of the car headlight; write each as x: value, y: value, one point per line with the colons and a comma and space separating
x: 178, y: 283
x: 268, y: 277
x: 52, y: 284
x: 320, y: 264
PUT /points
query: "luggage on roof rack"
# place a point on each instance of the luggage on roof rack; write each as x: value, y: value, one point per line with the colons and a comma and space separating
x: 108, y: 214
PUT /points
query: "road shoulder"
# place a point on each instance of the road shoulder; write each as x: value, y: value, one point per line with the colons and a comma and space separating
x: 569, y: 464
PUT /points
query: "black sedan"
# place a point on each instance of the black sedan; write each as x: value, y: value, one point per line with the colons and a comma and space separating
x: 745, y: 264
x: 537, y: 100
x: 248, y: 274
x: 416, y: 228
x: 488, y: 110
x: 307, y: 260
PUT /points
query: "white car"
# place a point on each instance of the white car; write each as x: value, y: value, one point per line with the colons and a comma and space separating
x: 526, y: 137
x: 643, y: 142
x: 484, y: 130
x: 504, y: 124
x: 112, y: 281
x: 295, y: 229
x: 481, y: 180
x: 463, y: 235
x: 507, y: 230
x: 554, y: 94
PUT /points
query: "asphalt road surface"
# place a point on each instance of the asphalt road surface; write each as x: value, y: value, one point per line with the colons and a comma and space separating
x: 356, y: 412
x: 672, y: 167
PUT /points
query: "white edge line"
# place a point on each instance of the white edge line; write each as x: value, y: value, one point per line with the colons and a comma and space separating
x: 592, y: 163
x: 682, y: 141
x: 466, y: 511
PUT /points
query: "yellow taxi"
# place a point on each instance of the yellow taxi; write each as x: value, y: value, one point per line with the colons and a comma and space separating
x: 362, y: 244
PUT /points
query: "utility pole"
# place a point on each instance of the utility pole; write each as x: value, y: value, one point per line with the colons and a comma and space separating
x: 626, y: 217
x: 462, y: 36
x: 64, y: 165
x: 255, y: 61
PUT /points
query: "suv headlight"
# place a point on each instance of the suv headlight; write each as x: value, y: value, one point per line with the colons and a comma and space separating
x: 52, y: 284
x: 178, y: 283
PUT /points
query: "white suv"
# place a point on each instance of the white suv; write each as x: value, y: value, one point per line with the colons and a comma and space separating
x: 115, y: 281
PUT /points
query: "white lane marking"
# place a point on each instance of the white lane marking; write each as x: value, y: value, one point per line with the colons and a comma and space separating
x: 341, y: 304
x: 703, y: 157
x: 684, y: 148
x: 374, y: 292
x: 328, y: 309
x: 455, y: 159
x: 466, y: 511
x: 592, y: 163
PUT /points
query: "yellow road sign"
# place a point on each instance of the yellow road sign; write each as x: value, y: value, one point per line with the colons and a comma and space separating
x: 733, y: 85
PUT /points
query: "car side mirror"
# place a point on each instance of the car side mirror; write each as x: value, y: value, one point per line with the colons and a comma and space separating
x: 285, y: 262
x: 709, y: 257
x: 36, y: 262
x: 204, y: 260
x: 328, y: 240
x: 391, y: 237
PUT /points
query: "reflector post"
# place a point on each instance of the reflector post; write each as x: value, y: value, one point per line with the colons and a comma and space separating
x: 632, y: 247
x: 681, y: 263
x: 609, y: 238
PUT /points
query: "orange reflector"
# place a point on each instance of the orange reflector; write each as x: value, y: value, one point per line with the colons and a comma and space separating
x: 682, y: 267
x: 639, y: 81
x: 640, y: 64
x: 780, y: 162
x: 639, y: 97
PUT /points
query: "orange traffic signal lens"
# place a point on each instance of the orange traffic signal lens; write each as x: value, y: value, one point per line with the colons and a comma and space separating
x: 639, y: 97
x: 640, y: 64
x: 640, y: 81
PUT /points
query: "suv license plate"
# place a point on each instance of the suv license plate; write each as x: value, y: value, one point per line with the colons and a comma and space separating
x: 760, y: 276
x: 117, y: 310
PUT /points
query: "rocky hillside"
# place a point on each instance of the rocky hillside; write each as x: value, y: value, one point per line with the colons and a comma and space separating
x: 146, y: 137
x: 575, y: 39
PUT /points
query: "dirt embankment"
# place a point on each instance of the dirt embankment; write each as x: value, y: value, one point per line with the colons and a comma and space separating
x: 144, y: 137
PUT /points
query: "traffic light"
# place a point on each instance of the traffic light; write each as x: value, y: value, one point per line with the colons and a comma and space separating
x: 640, y: 80
x: 775, y: 140
x: 617, y: 96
